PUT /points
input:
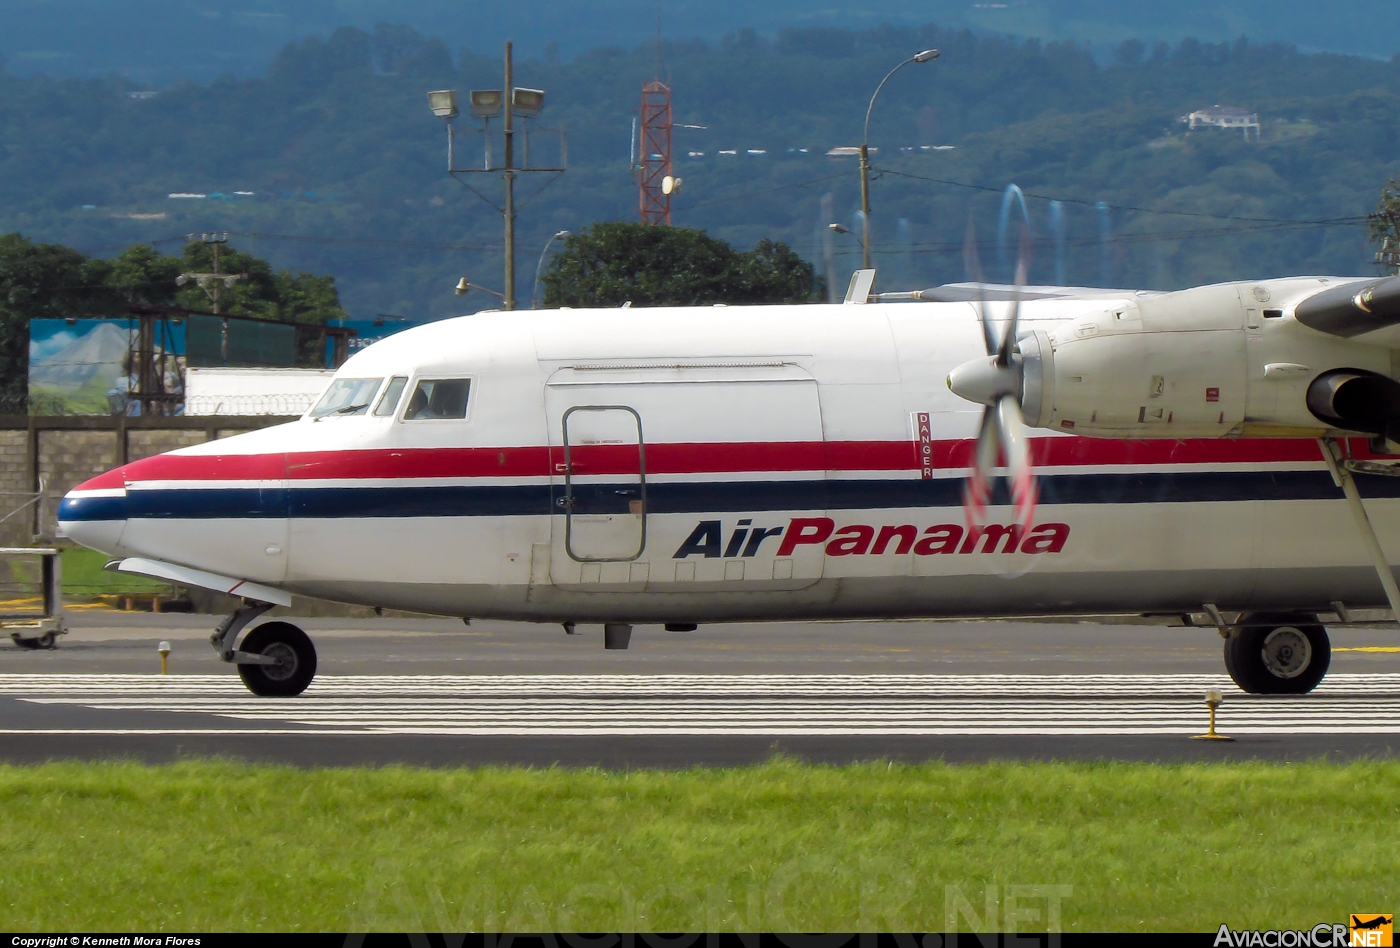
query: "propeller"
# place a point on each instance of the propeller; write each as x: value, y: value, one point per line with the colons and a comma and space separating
x: 997, y: 382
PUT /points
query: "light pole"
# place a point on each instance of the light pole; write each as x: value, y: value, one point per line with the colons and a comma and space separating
x: 508, y: 103
x: 921, y: 57
x: 534, y: 295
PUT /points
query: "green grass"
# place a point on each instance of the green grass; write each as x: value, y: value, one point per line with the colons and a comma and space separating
x: 83, y: 575
x: 223, y: 846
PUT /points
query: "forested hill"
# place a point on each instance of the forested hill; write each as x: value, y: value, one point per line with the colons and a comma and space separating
x: 339, y: 152
x: 159, y: 41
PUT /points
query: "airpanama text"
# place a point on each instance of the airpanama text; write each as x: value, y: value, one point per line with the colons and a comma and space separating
x: 707, y: 539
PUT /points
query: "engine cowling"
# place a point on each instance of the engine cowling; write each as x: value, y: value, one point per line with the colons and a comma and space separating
x: 1215, y: 361
x: 1165, y: 366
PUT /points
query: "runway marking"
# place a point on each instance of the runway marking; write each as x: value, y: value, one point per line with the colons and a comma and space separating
x: 1369, y: 648
x: 597, y: 705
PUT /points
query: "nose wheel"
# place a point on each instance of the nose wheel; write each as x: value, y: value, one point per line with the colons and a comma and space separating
x: 1278, y: 654
x: 293, y: 660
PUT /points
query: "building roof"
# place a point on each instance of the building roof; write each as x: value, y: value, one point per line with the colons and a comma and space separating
x: 1223, y: 111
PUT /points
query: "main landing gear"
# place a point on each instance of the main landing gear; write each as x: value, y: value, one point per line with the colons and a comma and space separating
x: 1277, y: 653
x: 276, y: 660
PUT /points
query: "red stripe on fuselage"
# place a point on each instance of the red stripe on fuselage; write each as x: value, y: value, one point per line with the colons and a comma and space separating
x: 694, y: 458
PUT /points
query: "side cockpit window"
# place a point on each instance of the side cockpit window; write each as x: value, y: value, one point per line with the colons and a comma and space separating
x: 389, y: 401
x: 438, y: 398
x: 346, y: 397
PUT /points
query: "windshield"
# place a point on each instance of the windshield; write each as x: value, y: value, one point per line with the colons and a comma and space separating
x: 390, y: 399
x: 346, y: 397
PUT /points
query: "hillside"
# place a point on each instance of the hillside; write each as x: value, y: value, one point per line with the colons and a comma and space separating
x: 160, y: 41
x: 339, y: 151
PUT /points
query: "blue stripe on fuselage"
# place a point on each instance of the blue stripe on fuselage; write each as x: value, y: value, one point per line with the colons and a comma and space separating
x: 703, y: 496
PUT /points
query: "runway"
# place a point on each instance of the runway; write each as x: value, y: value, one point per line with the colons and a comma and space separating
x: 842, y: 711
x: 837, y: 692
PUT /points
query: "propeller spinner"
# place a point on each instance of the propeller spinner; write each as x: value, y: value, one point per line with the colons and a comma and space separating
x: 998, y: 382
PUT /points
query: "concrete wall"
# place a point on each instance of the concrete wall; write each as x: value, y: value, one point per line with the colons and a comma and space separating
x: 14, y: 487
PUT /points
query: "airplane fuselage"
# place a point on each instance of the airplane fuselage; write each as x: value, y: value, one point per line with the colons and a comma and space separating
x: 699, y: 465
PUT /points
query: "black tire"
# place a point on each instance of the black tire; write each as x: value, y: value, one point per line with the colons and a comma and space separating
x: 1278, y: 654
x: 286, y: 642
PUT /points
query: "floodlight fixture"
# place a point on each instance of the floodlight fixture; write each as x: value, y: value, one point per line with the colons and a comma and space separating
x: 443, y: 102
x: 527, y: 103
x: 670, y: 185
x: 486, y: 103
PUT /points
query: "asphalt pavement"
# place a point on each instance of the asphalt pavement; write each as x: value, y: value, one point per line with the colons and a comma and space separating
x: 436, y: 692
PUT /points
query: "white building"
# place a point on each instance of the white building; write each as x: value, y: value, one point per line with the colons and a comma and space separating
x: 1224, y: 116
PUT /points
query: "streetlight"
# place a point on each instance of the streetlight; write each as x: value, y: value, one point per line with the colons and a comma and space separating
x: 534, y: 296
x: 464, y: 287
x: 921, y: 57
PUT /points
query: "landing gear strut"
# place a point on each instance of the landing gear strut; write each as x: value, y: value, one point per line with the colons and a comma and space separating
x: 277, y: 659
x: 1278, y: 654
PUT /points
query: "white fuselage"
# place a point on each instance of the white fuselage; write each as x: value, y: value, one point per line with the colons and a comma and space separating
x: 692, y: 465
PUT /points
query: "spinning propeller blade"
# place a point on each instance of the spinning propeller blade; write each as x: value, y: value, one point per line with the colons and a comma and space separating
x: 996, y: 382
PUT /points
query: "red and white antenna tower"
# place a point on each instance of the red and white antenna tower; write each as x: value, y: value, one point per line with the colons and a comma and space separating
x: 654, y: 159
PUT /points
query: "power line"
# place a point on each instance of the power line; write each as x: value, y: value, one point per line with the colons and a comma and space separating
x: 1118, y: 239
x: 1115, y: 207
x: 767, y: 191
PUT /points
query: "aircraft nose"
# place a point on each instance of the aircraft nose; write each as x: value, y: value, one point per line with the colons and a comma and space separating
x: 94, y: 512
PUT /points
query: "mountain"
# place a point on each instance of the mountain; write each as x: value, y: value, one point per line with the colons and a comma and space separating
x: 161, y: 41
x: 331, y: 162
x: 98, y: 352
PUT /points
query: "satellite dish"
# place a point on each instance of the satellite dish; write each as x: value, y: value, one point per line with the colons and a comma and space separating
x: 670, y: 185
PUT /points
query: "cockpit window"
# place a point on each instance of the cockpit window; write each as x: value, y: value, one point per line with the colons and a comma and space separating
x: 390, y: 399
x: 346, y: 397
x: 438, y: 398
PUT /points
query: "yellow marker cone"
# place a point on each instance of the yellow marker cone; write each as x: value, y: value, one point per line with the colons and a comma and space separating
x: 1213, y: 701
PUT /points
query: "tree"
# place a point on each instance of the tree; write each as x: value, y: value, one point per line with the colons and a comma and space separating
x: 50, y: 281
x: 41, y: 281
x: 615, y: 262
x: 1383, y: 226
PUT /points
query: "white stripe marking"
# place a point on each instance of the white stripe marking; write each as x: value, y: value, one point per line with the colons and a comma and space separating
x: 599, y: 705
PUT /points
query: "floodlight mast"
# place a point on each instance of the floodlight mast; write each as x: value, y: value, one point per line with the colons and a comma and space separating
x: 486, y: 104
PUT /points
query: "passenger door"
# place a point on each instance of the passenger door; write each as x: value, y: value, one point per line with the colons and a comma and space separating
x: 603, y: 459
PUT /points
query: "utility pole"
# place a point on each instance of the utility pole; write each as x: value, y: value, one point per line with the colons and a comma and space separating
x: 213, y: 284
x: 508, y: 103
x: 508, y: 130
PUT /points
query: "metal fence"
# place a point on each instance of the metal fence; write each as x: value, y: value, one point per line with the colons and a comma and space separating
x: 295, y: 403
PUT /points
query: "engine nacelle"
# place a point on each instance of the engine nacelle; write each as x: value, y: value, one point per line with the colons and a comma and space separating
x: 1169, y: 366
x: 1213, y: 361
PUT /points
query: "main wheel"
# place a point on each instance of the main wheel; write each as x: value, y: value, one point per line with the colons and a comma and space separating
x: 1278, y: 654
x: 296, y: 660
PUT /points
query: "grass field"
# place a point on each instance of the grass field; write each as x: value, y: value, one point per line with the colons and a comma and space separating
x: 223, y: 846
x: 83, y: 575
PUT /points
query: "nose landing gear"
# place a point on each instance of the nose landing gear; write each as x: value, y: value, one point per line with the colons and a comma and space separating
x: 1276, y: 654
x: 276, y: 660
x: 293, y: 655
